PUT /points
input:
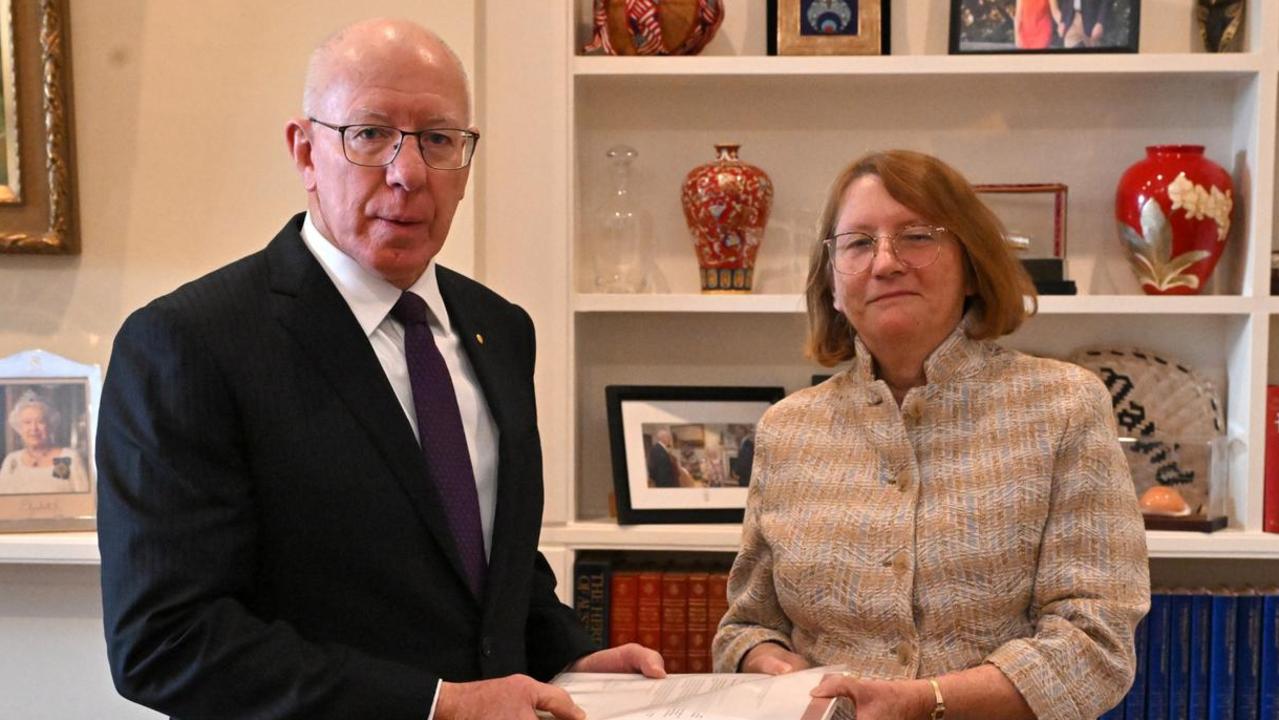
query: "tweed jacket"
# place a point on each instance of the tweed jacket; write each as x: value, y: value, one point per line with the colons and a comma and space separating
x: 990, y: 518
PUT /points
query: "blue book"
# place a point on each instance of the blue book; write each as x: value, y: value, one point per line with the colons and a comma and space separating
x: 1248, y: 661
x: 591, y: 597
x: 1269, y: 694
x: 1157, y: 656
x: 1135, y: 700
x: 1200, y: 655
x: 1179, y: 658
x: 1221, y: 667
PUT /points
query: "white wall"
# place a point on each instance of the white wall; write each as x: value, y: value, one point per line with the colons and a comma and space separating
x: 180, y: 108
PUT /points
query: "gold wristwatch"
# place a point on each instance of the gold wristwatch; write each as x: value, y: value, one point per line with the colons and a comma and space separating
x: 939, y: 709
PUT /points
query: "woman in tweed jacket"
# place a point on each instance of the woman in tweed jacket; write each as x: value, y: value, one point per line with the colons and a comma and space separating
x: 953, y: 521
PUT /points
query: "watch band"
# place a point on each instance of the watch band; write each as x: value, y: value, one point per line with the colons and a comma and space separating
x: 939, y: 709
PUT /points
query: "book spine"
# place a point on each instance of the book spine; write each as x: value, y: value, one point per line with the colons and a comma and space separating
x: 699, y: 636
x: 1221, y: 669
x: 1135, y: 700
x: 1269, y: 685
x: 1179, y: 658
x: 1248, y: 661
x: 1157, y: 660
x: 590, y: 578
x: 650, y: 610
x: 1270, y: 501
x: 675, y: 621
x: 623, y: 622
x: 1200, y: 656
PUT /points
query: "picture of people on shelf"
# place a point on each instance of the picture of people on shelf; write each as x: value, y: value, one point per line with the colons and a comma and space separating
x: 1011, y: 25
x: 953, y: 521
x: 703, y: 455
x: 321, y: 475
x: 41, y: 454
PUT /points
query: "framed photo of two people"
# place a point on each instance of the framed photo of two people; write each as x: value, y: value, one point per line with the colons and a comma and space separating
x: 1044, y: 26
x: 683, y: 454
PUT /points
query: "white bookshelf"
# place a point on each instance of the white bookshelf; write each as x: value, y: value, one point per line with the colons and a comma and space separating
x: 1080, y: 119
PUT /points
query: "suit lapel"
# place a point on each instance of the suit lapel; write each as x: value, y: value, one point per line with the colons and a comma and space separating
x: 495, y: 381
x: 305, y: 302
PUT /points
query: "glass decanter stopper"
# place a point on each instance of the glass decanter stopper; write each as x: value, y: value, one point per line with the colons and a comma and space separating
x: 620, y: 228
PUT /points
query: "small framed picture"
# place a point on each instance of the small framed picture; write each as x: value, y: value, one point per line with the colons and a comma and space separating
x: 1034, y: 214
x: 828, y: 27
x: 1044, y: 26
x: 46, y: 458
x: 683, y: 454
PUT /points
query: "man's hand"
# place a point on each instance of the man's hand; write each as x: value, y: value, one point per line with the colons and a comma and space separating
x: 772, y: 659
x: 880, y: 699
x: 1097, y: 32
x: 515, y: 696
x: 628, y: 658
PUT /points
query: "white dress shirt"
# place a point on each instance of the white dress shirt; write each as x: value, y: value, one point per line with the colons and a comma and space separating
x: 370, y: 299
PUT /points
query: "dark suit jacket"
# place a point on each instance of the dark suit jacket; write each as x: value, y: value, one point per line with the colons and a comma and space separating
x: 661, y: 470
x: 1092, y: 11
x: 271, y: 545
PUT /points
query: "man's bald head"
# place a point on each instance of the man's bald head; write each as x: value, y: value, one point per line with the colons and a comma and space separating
x: 362, y: 50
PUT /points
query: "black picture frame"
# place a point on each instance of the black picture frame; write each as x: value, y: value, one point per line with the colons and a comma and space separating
x: 985, y: 27
x: 708, y: 431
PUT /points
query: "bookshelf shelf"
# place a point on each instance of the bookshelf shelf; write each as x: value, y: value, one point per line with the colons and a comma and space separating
x: 1048, y: 304
x: 64, y: 548
x: 607, y: 535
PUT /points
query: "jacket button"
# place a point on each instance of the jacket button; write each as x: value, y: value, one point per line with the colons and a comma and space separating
x: 486, y: 646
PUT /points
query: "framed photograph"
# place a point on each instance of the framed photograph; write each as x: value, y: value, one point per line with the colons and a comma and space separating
x: 37, y: 178
x: 1044, y: 26
x: 47, y: 479
x: 683, y: 454
x: 1034, y: 214
x: 828, y: 27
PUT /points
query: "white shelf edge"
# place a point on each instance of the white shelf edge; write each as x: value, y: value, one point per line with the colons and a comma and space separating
x: 604, y: 535
x: 1180, y: 64
x: 59, y: 548
x: 1048, y: 304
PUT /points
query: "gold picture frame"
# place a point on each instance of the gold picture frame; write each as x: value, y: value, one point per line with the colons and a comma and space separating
x: 831, y: 27
x: 37, y: 214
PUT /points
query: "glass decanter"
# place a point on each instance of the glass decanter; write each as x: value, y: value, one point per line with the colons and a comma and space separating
x: 620, y: 230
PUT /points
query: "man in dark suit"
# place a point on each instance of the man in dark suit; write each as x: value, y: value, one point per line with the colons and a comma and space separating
x: 662, y: 466
x: 320, y: 473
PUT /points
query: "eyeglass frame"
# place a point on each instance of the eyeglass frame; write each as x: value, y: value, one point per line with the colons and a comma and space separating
x: 417, y: 134
x: 829, y: 244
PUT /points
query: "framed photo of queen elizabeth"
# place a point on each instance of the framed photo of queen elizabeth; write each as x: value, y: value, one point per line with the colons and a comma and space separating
x: 49, y: 408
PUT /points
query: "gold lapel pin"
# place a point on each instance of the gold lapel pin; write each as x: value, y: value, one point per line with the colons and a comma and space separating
x: 479, y: 338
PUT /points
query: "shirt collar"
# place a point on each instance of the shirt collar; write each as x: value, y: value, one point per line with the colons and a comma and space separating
x: 957, y: 357
x: 369, y: 296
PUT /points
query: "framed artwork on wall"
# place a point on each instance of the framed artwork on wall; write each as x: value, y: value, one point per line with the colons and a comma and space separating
x: 47, y: 479
x: 683, y: 454
x: 1044, y: 26
x: 37, y: 178
x: 828, y: 27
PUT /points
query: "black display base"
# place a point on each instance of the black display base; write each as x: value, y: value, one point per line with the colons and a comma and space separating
x: 1045, y: 269
x: 1056, y: 287
x: 1194, y: 523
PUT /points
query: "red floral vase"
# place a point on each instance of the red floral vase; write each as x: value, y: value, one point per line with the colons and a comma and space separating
x: 726, y: 205
x: 1173, y: 210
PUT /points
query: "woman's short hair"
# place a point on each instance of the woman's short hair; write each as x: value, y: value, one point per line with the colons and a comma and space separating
x: 939, y: 194
x: 31, y: 399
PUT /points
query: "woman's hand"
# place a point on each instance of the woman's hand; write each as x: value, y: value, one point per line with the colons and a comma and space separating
x: 881, y: 699
x: 770, y: 658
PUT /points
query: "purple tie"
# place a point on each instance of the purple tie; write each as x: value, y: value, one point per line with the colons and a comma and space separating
x: 439, y: 428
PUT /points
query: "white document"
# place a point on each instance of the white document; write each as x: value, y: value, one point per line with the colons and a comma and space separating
x: 606, y: 696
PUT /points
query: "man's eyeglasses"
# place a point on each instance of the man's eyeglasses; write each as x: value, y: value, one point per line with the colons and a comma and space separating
x: 379, y: 145
x: 852, y: 253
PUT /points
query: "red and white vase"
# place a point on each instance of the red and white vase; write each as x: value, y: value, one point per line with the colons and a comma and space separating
x: 726, y: 204
x: 1173, y: 210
